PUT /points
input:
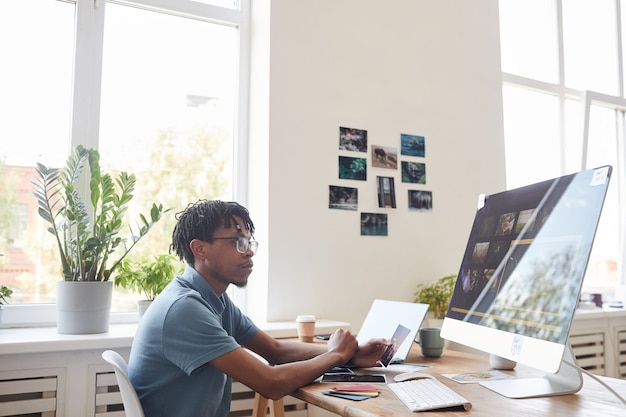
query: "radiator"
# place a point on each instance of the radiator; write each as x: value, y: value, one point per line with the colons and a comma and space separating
x: 108, y: 397
x: 588, y: 350
x: 621, y: 353
x: 109, y: 400
x: 32, y: 393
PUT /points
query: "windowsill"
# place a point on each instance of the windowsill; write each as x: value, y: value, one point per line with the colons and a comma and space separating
x: 44, y: 315
x: 46, y: 339
x: 582, y: 313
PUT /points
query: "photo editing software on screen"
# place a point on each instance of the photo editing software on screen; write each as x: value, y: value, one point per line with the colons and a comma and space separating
x: 527, y: 254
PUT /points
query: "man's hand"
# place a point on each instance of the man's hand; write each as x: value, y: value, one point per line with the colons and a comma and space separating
x: 369, y: 354
x: 344, y: 343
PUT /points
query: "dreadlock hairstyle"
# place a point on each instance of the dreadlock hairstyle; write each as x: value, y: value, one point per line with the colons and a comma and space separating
x: 200, y: 220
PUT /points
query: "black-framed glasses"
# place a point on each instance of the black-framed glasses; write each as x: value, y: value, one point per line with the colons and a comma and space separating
x: 243, y: 243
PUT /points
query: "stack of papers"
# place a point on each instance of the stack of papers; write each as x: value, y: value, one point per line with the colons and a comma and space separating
x: 354, y: 392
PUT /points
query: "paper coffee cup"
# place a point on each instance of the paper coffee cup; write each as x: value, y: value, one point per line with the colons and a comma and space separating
x: 306, y: 327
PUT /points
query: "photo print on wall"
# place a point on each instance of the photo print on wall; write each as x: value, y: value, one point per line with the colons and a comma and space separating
x: 373, y: 224
x: 343, y: 198
x: 351, y: 139
x: 412, y: 145
x: 413, y: 172
x: 420, y: 200
x: 386, y: 191
x: 352, y: 168
x: 384, y: 157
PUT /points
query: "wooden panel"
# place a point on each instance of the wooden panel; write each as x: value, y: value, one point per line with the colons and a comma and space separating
x: 108, y: 398
x: 621, y: 354
x: 589, y: 350
x: 33, y: 394
x: 111, y: 414
x: 28, y: 385
x: 104, y: 379
x: 30, y: 406
x: 108, y: 402
x: 588, y: 338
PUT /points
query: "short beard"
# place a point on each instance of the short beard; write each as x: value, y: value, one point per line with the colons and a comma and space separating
x: 240, y: 285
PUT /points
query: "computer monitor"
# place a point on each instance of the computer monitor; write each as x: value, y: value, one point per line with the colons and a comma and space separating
x: 520, y: 278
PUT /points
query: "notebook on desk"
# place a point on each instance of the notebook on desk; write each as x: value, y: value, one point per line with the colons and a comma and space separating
x: 384, y: 319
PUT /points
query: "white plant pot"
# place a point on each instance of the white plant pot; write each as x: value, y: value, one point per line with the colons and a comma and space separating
x: 143, y: 305
x: 83, y: 307
x: 432, y: 322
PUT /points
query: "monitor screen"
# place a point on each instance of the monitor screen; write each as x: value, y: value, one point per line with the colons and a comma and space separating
x: 520, y: 278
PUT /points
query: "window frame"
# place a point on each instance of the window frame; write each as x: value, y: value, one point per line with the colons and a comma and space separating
x: 85, y: 112
x: 587, y: 99
x: 618, y: 104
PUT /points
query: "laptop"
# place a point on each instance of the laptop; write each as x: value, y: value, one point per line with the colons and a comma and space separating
x: 398, y: 321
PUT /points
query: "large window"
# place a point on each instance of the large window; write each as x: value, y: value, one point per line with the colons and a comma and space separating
x: 564, y: 104
x: 157, y: 92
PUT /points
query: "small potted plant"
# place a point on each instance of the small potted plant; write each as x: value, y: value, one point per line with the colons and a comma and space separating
x: 88, y: 236
x: 147, y: 276
x: 5, y: 292
x: 436, y: 295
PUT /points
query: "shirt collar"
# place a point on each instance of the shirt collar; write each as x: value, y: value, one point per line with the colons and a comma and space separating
x: 198, y: 283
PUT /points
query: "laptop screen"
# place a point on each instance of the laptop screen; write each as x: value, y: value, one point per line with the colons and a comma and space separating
x: 393, y: 319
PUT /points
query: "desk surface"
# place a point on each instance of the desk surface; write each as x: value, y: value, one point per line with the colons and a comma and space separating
x: 592, y: 400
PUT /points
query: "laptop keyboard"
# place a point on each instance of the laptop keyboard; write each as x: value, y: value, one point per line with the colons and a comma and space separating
x: 427, y: 394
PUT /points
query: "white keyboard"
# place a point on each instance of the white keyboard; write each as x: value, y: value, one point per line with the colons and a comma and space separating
x: 427, y: 394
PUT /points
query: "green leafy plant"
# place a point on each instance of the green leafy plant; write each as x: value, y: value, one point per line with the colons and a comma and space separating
x: 146, y: 276
x: 89, y: 236
x: 436, y: 295
x: 5, y: 293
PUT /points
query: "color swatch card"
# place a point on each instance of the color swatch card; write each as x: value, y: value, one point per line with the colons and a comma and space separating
x: 354, y: 392
x: 364, y: 389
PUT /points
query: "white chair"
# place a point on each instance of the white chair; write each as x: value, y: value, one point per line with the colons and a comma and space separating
x: 132, y: 406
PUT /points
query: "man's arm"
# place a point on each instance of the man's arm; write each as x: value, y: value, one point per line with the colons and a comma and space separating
x: 283, y: 351
x: 277, y: 351
x: 297, y: 364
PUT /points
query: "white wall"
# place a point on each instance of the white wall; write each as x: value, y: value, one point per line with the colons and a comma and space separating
x: 424, y: 67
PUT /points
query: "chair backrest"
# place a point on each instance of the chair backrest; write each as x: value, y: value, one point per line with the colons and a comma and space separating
x: 132, y: 406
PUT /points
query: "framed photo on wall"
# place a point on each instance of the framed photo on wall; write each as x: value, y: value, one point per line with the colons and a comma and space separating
x: 374, y: 224
x: 351, y: 139
x: 386, y: 192
x: 352, y: 168
x: 343, y: 198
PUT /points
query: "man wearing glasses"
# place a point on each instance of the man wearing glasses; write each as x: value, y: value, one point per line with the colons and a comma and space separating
x: 190, y: 343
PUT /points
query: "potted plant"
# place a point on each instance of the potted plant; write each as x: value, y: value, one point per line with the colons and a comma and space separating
x: 88, y: 235
x: 5, y: 292
x: 147, y: 276
x: 436, y: 295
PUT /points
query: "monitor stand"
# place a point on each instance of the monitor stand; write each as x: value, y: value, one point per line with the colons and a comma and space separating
x: 567, y: 380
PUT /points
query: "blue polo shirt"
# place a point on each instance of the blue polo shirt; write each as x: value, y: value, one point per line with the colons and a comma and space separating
x: 185, y: 328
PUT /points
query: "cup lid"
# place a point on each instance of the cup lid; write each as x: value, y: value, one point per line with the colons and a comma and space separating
x: 305, y: 318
